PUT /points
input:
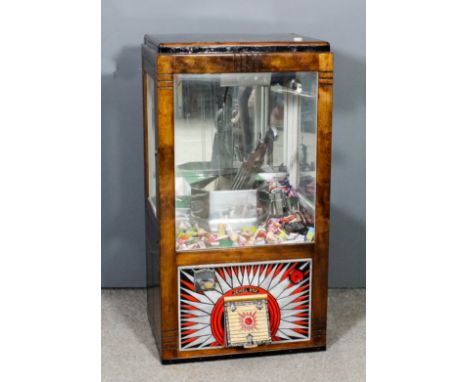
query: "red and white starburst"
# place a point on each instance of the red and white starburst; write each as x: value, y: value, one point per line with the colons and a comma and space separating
x: 248, y: 321
x: 289, y: 301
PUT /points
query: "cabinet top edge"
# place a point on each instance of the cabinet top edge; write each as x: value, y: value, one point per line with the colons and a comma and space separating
x: 234, y: 43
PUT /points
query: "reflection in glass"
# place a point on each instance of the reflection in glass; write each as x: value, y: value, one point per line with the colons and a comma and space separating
x: 151, y: 136
x: 245, y: 148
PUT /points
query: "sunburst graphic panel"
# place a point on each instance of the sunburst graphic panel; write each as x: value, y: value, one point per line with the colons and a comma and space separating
x: 287, y: 284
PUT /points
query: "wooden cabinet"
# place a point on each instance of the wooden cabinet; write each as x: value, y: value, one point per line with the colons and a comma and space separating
x: 237, y: 173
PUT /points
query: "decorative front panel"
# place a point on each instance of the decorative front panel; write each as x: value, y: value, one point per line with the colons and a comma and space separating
x: 282, y: 287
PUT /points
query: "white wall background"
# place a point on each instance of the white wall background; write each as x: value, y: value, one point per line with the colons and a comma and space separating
x: 124, y: 23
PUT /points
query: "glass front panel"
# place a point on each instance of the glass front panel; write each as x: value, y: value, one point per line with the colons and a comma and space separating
x: 151, y: 136
x: 245, y: 149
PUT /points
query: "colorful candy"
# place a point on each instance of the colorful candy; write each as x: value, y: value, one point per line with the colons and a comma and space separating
x: 274, y: 231
x: 310, y: 234
x: 213, y: 240
x: 222, y: 230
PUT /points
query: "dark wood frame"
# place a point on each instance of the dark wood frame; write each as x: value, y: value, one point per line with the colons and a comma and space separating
x: 162, y: 259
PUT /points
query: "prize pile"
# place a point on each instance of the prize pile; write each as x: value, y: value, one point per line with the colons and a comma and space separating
x: 286, y: 230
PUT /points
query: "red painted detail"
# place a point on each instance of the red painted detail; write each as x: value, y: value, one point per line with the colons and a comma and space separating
x: 270, y: 267
x: 278, y: 270
x: 188, y: 316
x: 187, y: 341
x: 303, y: 331
x: 302, y: 298
x: 288, y: 272
x: 188, y: 297
x: 221, y: 273
x: 247, y: 320
x: 296, y: 276
x: 262, y: 267
x: 299, y: 290
x: 187, y: 284
x: 187, y: 332
x: 301, y: 322
x: 185, y: 324
x: 189, y: 307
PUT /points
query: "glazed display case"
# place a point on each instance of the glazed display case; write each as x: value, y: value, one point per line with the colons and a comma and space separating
x: 237, y: 174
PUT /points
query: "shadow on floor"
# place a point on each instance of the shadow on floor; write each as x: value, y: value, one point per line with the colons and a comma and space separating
x: 346, y: 308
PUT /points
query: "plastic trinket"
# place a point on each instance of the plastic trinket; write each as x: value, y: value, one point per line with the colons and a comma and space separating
x: 311, y: 234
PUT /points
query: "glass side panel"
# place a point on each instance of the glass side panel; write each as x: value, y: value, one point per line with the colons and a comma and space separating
x: 245, y: 148
x: 151, y: 134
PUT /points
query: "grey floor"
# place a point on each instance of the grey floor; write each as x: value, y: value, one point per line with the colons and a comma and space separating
x: 129, y: 352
